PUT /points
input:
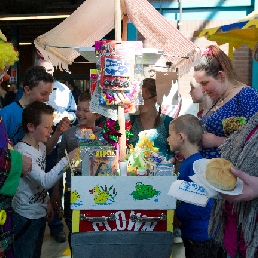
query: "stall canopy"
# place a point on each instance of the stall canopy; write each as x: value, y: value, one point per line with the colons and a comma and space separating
x: 95, y: 18
x: 243, y: 32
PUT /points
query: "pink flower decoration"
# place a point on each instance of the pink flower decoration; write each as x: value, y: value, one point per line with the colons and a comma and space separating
x: 207, y: 51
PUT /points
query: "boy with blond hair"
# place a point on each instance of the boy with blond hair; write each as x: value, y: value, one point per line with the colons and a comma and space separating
x: 31, y: 203
x: 185, y: 133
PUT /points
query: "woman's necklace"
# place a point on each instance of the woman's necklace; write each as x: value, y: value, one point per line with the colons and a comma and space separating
x: 215, y: 106
x: 221, y: 100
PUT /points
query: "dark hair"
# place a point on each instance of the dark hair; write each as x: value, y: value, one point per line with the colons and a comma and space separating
x: 34, y: 75
x: 32, y: 114
x: 37, y: 60
x: 150, y: 85
x: 190, y: 126
x: 215, y: 60
x: 72, y: 83
x: 85, y: 97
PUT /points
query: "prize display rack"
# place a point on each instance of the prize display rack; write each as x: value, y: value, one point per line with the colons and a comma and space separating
x: 119, y: 216
x: 114, y: 215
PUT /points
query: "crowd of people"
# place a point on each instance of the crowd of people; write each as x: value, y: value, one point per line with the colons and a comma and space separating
x: 34, y: 165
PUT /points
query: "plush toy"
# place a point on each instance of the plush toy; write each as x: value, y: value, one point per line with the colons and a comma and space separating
x: 232, y: 124
x: 8, y: 54
x: 146, y: 140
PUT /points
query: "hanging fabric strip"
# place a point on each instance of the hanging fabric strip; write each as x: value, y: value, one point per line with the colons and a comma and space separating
x: 90, y: 22
x: 162, y: 35
x: 95, y: 18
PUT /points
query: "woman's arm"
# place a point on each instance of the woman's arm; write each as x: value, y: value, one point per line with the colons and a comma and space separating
x: 210, y: 140
x: 250, y: 189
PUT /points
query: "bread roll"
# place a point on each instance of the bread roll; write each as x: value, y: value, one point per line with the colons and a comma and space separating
x: 218, y: 174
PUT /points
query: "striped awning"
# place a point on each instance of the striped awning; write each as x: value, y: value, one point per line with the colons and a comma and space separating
x: 243, y: 32
x: 95, y: 18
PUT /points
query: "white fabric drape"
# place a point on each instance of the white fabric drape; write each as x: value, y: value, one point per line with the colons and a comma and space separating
x: 95, y: 18
x: 90, y: 22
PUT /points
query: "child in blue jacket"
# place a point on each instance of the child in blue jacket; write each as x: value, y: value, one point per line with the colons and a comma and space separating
x: 184, y: 136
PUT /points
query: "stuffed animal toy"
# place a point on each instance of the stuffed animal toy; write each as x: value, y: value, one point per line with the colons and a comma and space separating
x: 232, y: 124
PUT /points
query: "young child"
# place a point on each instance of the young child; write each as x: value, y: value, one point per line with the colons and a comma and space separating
x: 37, y: 86
x: 31, y: 204
x: 69, y: 141
x: 185, y: 133
x: 198, y: 97
x: 204, y: 101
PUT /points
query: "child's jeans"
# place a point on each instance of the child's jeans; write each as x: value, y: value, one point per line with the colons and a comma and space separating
x: 30, y: 239
x: 68, y: 214
x: 200, y: 249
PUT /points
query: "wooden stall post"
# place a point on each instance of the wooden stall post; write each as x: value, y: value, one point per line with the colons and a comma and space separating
x: 121, y: 117
x: 125, y: 20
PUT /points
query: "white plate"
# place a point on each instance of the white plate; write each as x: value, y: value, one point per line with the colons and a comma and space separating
x: 199, y: 167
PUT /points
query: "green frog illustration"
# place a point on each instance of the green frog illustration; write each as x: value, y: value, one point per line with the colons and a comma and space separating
x: 143, y: 191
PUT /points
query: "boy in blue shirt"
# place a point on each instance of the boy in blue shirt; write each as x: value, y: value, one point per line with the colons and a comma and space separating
x: 37, y: 86
x: 185, y: 133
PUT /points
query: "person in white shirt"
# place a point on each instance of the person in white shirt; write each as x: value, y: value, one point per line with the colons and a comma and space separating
x: 31, y: 202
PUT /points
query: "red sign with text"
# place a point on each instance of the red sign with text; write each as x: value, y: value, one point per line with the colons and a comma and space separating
x: 123, y: 221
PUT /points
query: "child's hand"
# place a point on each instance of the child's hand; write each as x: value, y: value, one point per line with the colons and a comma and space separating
x: 55, y: 197
x: 26, y: 165
x: 172, y: 160
x: 50, y: 212
x: 72, y: 153
x: 63, y: 125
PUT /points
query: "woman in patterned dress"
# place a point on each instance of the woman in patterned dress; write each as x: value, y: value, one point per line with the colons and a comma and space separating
x: 231, y: 97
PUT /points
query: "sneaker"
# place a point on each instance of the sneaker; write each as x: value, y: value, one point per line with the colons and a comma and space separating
x: 177, y: 240
x: 60, y: 237
x: 177, y: 236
